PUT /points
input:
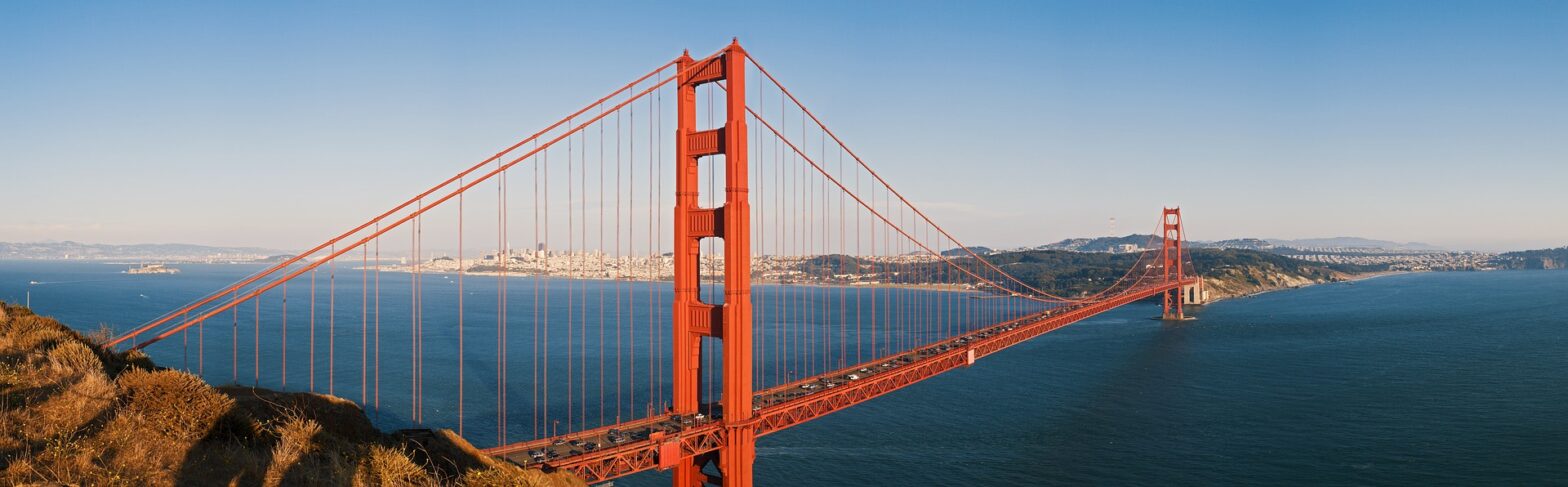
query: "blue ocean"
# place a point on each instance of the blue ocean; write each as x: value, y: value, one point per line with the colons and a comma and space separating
x: 1413, y: 379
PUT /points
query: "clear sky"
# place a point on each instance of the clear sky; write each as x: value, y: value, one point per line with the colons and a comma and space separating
x: 1013, y: 123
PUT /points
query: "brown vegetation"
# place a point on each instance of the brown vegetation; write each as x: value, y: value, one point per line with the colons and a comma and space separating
x: 73, y: 413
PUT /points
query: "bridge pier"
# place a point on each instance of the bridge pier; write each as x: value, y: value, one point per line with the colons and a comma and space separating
x: 1187, y: 295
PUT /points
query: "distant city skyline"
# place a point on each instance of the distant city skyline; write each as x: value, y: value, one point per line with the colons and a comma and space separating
x: 1011, y: 125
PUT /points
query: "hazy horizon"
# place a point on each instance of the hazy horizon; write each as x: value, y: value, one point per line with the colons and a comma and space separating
x: 1011, y: 125
x: 476, y: 250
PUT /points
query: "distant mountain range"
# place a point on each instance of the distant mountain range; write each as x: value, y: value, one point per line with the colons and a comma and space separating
x: 1102, y: 244
x: 1352, y: 242
x: 958, y: 252
x: 151, y: 252
x: 1137, y: 241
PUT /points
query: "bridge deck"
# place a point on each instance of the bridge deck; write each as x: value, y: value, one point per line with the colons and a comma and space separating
x: 656, y: 442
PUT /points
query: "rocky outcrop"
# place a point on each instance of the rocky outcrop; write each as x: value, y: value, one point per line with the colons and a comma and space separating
x: 1234, y: 281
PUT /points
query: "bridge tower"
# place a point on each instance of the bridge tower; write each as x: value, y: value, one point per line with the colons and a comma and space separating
x: 728, y: 321
x: 1173, y: 256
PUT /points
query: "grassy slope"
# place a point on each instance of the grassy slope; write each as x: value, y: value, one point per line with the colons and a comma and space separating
x: 71, y: 413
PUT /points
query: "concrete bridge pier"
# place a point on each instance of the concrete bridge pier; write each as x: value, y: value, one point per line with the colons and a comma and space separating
x: 1187, y: 295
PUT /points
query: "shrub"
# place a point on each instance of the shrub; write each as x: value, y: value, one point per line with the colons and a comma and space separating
x: 71, y: 358
x: 34, y: 333
x: 296, y: 438
x: 388, y: 466
x: 172, y: 403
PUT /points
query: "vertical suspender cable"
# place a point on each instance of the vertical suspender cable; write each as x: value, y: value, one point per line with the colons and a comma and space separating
x: 582, y: 343
x: 332, y: 300
x: 500, y: 283
x: 284, y: 357
x: 545, y: 324
x: 504, y: 257
x: 600, y: 251
x: 571, y: 248
x: 311, y: 367
x: 632, y: 117
x: 234, y: 352
x: 364, y: 319
x: 256, y: 350
x: 461, y: 355
x: 413, y: 320
x: 538, y: 248
x: 201, y: 349
x: 378, y: 318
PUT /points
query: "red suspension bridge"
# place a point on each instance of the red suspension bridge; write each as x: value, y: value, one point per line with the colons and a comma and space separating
x: 803, y: 283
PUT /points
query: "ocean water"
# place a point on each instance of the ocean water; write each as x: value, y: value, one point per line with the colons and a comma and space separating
x: 1416, y: 379
x: 577, y: 354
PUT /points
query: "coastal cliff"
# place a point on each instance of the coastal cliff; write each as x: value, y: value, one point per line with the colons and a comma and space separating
x: 72, y: 413
x: 1233, y: 273
x: 1231, y: 282
x: 1543, y: 259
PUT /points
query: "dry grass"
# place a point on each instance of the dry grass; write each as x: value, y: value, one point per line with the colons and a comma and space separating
x: 72, y: 413
x: 508, y: 475
x: 389, y: 466
x: 74, y: 357
x: 296, y: 438
x: 177, y: 406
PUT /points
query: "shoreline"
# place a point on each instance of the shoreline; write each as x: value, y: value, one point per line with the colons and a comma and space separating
x: 1352, y: 278
x: 925, y: 287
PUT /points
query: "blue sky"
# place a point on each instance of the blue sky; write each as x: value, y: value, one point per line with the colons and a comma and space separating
x: 1014, y: 123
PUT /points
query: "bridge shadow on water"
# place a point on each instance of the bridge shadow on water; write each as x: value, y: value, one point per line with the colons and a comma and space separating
x: 1122, y: 407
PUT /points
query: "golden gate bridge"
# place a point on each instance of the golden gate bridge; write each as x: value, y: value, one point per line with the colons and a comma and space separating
x: 681, y: 297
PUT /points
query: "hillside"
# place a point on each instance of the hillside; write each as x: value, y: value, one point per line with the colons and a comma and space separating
x: 1353, y: 242
x: 1534, y: 259
x: 1234, y: 272
x: 1100, y: 244
x: 1228, y: 272
x: 74, y: 414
